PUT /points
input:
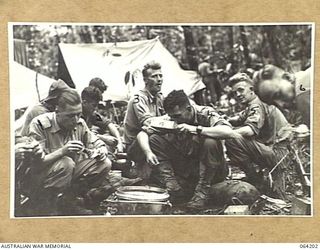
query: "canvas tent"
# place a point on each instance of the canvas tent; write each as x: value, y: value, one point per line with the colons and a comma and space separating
x: 24, y: 83
x: 23, y: 86
x: 120, y: 65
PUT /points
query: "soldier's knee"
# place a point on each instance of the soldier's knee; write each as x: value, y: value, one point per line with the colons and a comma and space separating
x: 155, y: 139
x: 107, y: 163
x: 158, y: 143
x: 231, y: 143
x: 210, y: 143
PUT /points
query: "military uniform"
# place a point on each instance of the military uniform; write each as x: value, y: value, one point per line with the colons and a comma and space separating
x: 31, y: 113
x: 140, y: 108
x: 68, y: 170
x: 95, y: 119
x: 190, y: 162
x: 266, y: 121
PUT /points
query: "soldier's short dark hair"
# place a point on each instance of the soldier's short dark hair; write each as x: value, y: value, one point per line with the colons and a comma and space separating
x: 98, y: 83
x: 91, y: 94
x: 175, y: 98
x: 240, y: 77
x: 150, y: 65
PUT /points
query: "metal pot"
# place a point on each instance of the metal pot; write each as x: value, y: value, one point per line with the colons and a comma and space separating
x: 138, y: 200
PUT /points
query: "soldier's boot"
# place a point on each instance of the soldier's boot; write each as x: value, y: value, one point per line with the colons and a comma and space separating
x: 95, y: 195
x: 166, y: 177
x: 201, y: 197
x: 45, y: 203
x: 70, y: 204
x: 128, y: 182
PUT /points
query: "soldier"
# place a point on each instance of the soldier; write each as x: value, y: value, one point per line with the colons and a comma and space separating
x: 90, y: 100
x: 260, y: 126
x: 192, y: 155
x: 66, y: 141
x: 146, y: 104
x: 99, y: 84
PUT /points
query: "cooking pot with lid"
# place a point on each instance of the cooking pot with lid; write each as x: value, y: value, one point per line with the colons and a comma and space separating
x: 138, y: 200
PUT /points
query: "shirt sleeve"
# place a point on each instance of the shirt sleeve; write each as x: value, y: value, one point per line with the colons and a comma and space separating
x: 255, y: 117
x: 37, y: 133
x: 216, y: 119
x: 141, y: 109
x: 101, y: 121
x: 30, y: 114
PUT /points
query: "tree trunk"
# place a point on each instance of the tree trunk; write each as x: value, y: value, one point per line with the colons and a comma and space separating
x: 192, y: 59
x: 231, y: 42
x: 269, y: 30
x: 147, y: 32
x: 98, y: 34
x: 190, y: 48
x: 244, y: 42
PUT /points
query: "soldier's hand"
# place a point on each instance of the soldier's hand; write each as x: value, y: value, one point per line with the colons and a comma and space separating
x: 102, y: 153
x: 186, y: 128
x: 22, y: 150
x: 120, y: 147
x: 38, y: 152
x: 72, y: 147
x: 152, y: 159
x: 109, y: 140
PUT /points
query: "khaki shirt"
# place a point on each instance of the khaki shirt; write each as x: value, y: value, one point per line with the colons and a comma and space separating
x: 45, y: 129
x: 265, y: 120
x: 207, y: 117
x: 140, y: 108
x: 32, y: 112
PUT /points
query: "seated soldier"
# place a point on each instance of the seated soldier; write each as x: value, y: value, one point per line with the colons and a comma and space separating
x: 75, y: 160
x: 142, y: 107
x: 46, y: 105
x: 90, y: 100
x: 260, y: 126
x: 191, y: 159
x: 27, y: 152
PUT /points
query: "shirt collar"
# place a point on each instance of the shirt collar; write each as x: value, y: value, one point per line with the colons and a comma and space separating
x: 254, y: 100
x: 55, y: 126
x: 151, y: 97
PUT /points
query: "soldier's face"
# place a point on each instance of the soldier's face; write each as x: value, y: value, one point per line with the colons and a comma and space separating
x: 154, y: 80
x: 68, y: 116
x: 181, y: 114
x: 89, y: 106
x: 243, y: 92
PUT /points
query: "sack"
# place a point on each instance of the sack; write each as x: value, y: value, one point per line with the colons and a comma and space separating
x: 233, y: 192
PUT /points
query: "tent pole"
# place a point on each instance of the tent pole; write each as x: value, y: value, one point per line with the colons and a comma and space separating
x: 37, y: 88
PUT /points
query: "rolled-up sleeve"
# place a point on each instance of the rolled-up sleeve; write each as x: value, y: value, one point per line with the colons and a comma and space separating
x: 35, y: 130
x: 215, y: 119
x: 141, y: 109
x: 255, y: 118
